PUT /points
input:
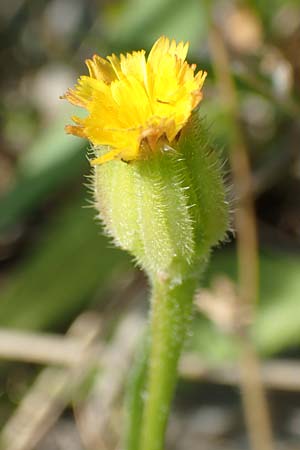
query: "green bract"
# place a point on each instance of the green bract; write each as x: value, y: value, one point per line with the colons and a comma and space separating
x: 169, y: 209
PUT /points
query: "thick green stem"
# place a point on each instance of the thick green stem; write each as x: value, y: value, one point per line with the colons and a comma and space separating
x: 170, y: 317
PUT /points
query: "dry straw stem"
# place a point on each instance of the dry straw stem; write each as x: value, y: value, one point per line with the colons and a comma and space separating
x: 254, y: 400
x: 277, y: 374
x: 41, y: 348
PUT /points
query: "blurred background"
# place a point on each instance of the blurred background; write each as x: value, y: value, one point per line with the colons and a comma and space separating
x: 71, y: 306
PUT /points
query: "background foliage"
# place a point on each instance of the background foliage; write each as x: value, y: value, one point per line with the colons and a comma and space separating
x: 54, y: 260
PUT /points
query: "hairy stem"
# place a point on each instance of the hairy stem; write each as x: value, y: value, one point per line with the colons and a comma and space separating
x: 170, y: 316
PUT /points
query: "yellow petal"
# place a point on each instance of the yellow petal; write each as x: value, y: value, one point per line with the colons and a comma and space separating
x: 116, y: 65
x: 83, y: 92
x: 100, y: 69
x: 109, y: 156
x: 75, y: 130
x: 162, y: 47
x: 134, y: 104
x: 135, y: 65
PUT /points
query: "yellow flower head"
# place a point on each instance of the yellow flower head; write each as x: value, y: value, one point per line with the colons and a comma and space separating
x: 136, y: 104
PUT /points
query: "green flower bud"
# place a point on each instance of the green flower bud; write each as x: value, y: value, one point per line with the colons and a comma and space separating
x: 169, y: 209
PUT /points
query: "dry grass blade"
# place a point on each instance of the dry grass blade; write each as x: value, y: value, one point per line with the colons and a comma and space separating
x: 40, y: 348
x: 280, y: 374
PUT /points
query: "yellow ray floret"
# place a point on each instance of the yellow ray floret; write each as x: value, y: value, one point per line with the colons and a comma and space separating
x: 135, y: 103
